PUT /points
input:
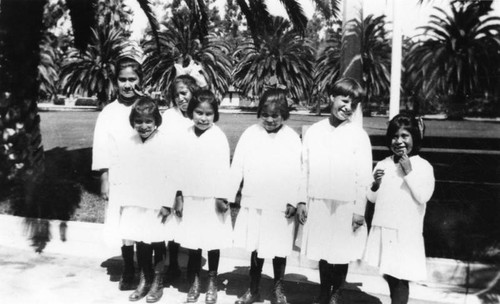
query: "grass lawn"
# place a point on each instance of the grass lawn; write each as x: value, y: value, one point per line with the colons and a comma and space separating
x: 465, y: 156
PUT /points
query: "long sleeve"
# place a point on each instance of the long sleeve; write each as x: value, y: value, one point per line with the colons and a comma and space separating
x: 237, y: 167
x: 421, y: 182
x: 363, y: 177
x: 100, y: 147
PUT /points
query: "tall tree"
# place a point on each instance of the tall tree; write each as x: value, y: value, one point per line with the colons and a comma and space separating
x: 282, y: 55
x: 457, y: 55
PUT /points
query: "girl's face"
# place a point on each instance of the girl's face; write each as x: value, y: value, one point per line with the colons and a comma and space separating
x: 402, y: 142
x: 182, y: 96
x: 203, y: 116
x: 127, y: 81
x: 342, y: 109
x: 145, y: 125
x: 271, y: 118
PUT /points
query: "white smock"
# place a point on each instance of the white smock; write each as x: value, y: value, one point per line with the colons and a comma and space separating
x: 174, y: 121
x: 395, y: 243
x: 141, y: 183
x: 205, y: 161
x: 112, y: 125
x: 337, y: 164
x: 270, y: 166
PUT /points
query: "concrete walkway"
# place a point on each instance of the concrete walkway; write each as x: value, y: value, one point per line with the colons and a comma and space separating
x: 30, y: 277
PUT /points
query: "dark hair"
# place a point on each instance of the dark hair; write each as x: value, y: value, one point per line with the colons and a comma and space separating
x: 277, y: 97
x: 189, y: 81
x: 200, y: 97
x: 145, y: 106
x: 127, y: 62
x: 410, y: 124
x: 347, y: 87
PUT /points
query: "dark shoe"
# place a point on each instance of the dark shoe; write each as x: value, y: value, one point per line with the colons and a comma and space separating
x: 248, y: 298
x: 335, y: 298
x: 211, y: 295
x: 142, y: 289
x: 194, y: 291
x: 126, y: 282
x: 278, y: 295
x: 156, y: 291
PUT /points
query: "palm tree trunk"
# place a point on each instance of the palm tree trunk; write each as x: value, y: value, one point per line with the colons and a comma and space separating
x: 22, y: 158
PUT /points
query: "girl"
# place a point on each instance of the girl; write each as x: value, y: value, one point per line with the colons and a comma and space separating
x: 337, y: 166
x: 176, y: 122
x: 403, y: 184
x: 113, y: 126
x: 268, y: 159
x: 138, y: 173
x: 205, y: 224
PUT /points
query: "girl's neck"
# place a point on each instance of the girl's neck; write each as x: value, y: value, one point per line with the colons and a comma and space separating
x: 199, y: 132
x: 275, y: 130
x: 126, y: 101
x: 335, y: 122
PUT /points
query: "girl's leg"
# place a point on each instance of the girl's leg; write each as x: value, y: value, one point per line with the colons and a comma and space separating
x: 252, y: 295
x: 173, y: 271
x: 400, y: 289
x: 339, y: 274
x: 144, y: 259
x: 213, y: 266
x: 156, y: 291
x: 325, y: 279
x: 278, y: 296
x: 127, y: 278
x: 193, y: 275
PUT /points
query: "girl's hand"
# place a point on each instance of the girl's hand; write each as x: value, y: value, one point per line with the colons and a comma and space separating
x: 357, y: 221
x: 164, y: 213
x: 302, y: 213
x: 104, y: 186
x: 405, y: 164
x: 179, y: 205
x: 221, y: 205
x: 290, y: 211
x: 377, y: 176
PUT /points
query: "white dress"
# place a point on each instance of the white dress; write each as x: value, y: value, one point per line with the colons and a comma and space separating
x: 112, y: 125
x: 270, y: 165
x: 337, y: 166
x: 395, y: 243
x: 141, y: 184
x: 205, y: 162
x: 174, y: 121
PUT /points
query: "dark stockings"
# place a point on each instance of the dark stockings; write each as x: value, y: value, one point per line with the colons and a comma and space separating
x: 400, y: 289
x: 279, y: 265
x: 159, y: 253
x: 173, y: 254
x: 194, y: 264
x: 213, y: 260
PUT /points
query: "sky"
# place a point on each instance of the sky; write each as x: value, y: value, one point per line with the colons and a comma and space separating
x: 414, y: 14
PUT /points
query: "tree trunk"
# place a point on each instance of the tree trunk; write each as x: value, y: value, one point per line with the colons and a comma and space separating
x: 21, y: 162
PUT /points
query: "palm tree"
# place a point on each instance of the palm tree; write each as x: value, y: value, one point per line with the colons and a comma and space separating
x: 457, y: 55
x: 92, y: 72
x: 21, y: 24
x: 375, y: 57
x: 184, y: 40
x: 282, y: 54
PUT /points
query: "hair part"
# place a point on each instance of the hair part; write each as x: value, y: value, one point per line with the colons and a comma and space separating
x: 275, y: 97
x: 200, y: 97
x: 188, y: 81
x: 347, y: 87
x: 128, y: 62
x: 145, y: 106
x: 409, y: 123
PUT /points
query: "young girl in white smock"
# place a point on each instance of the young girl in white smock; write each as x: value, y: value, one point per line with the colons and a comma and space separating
x: 337, y: 163
x: 139, y: 173
x: 205, y: 224
x: 268, y: 160
x: 403, y: 184
x: 113, y: 125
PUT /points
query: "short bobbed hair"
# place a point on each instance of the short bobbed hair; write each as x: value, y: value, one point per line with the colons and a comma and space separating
x: 188, y: 81
x: 145, y: 106
x: 200, y: 97
x: 277, y: 97
x: 347, y: 87
x: 128, y: 62
x: 409, y: 123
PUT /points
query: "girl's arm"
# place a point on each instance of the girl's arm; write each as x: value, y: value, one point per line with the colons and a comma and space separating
x: 302, y: 206
x: 237, y: 166
x: 421, y: 181
x: 363, y: 161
